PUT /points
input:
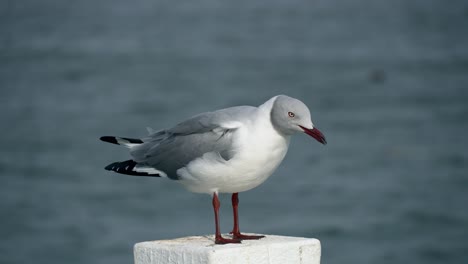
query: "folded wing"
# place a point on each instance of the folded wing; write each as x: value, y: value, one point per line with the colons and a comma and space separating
x: 171, y: 149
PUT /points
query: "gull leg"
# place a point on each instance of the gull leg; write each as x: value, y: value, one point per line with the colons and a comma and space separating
x: 218, y: 238
x: 235, y: 231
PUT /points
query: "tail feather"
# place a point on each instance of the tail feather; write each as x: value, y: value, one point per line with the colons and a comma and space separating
x: 130, y: 167
x: 127, y: 142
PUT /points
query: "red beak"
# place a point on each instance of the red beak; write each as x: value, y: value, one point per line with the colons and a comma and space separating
x: 315, y: 133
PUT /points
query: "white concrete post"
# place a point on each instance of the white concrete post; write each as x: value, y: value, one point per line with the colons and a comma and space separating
x: 201, y: 249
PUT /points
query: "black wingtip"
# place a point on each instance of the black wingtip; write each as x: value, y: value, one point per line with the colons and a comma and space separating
x: 115, y: 140
x: 109, y: 139
x: 133, y: 140
x: 126, y: 167
x: 110, y: 166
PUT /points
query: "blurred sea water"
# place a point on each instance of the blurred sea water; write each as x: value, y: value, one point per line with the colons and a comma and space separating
x: 386, y: 82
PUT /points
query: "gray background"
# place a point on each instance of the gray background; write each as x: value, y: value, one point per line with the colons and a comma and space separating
x: 386, y: 82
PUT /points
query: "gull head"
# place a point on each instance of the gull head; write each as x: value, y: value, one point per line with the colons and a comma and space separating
x: 290, y: 116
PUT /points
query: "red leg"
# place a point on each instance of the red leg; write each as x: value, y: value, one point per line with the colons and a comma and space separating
x: 218, y: 238
x: 235, y: 231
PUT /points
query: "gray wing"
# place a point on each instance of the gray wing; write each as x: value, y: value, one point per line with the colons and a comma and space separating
x: 171, y: 149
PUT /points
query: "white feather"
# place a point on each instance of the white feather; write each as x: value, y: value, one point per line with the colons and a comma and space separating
x: 149, y: 170
x: 126, y: 143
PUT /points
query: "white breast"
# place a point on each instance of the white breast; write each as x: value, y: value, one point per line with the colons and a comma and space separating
x: 259, y: 151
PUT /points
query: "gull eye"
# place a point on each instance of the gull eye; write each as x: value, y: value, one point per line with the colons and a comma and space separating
x: 291, y: 114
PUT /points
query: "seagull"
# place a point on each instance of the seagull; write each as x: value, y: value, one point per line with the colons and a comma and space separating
x: 229, y: 150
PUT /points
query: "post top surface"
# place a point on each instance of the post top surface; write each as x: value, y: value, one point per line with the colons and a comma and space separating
x: 207, y: 242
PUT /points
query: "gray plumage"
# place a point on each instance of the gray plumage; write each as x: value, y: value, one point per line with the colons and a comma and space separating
x: 170, y: 149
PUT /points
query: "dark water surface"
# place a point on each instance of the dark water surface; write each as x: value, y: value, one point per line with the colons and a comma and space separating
x: 386, y: 81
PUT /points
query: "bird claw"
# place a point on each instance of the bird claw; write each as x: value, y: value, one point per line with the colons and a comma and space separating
x: 221, y: 240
